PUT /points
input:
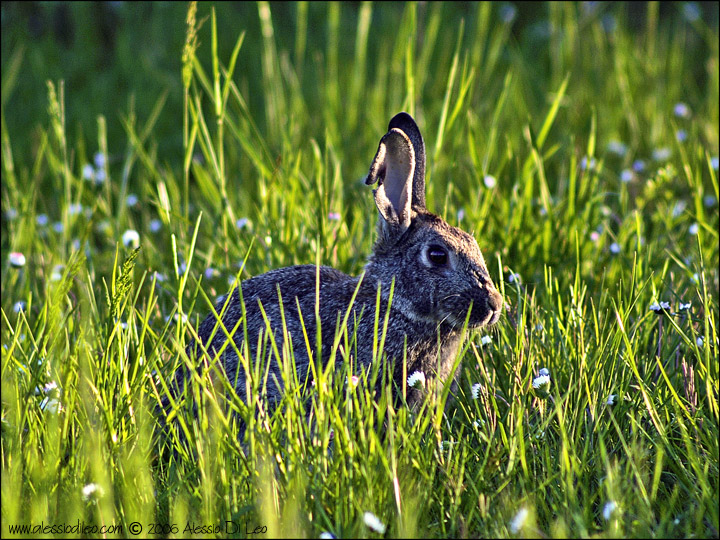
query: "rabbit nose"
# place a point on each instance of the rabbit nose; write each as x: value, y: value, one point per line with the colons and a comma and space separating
x: 495, y: 303
x: 495, y: 299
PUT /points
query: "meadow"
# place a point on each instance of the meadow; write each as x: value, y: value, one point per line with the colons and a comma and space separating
x: 155, y: 154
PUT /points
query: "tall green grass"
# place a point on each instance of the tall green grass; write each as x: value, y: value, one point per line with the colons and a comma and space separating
x: 577, y: 142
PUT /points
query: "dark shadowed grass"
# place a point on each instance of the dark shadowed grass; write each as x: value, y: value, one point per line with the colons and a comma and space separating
x: 577, y: 142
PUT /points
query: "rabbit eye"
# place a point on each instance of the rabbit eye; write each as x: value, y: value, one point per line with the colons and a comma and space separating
x: 437, y: 255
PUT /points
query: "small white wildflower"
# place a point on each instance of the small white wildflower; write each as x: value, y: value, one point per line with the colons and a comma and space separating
x: 416, y: 379
x: 507, y: 13
x: 544, y: 372
x: 445, y: 445
x: 486, y: 340
x: 19, y: 306
x: 92, y: 491
x: 478, y: 423
x: 616, y: 147
x: 614, y: 248
x: 131, y: 238
x: 608, y: 509
x: 334, y: 216
x: 155, y: 225
x: 700, y: 341
x: 460, y: 214
x: 681, y: 110
x: 696, y: 277
x: 693, y: 229
x: 373, y: 522
x: 587, y: 163
x: 679, y: 208
x: 611, y: 399
x: 475, y: 391
x: 626, y: 175
x: 518, y: 521
x: 692, y: 11
x: 489, y: 181
x: 638, y: 165
x: 657, y: 308
x: 268, y: 240
x: 104, y: 227
x: 541, y: 385
x: 327, y: 535
x: 17, y: 259
x: 242, y: 223
x: 100, y: 176
x: 99, y: 160
x: 684, y: 307
x: 661, y: 154
x: 88, y: 172
x: 57, y: 272
x: 132, y: 199
x: 50, y: 405
x: 42, y: 219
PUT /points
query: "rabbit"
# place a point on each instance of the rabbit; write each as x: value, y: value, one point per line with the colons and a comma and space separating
x: 437, y: 273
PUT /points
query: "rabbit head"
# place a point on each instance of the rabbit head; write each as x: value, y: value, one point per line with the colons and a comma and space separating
x: 438, y: 270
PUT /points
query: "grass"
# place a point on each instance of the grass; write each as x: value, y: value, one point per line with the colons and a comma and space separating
x: 577, y: 142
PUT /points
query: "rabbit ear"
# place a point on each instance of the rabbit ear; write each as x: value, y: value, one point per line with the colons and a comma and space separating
x: 394, y: 168
x: 405, y: 123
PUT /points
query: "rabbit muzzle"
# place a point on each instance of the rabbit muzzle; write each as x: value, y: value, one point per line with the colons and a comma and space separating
x: 484, y: 303
x: 486, y: 306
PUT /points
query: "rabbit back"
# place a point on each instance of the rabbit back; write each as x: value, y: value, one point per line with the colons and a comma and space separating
x: 278, y: 303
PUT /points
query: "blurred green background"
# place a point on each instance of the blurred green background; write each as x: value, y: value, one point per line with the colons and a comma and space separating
x: 117, y: 57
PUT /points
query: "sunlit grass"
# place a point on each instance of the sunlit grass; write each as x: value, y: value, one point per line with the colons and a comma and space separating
x: 577, y: 142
